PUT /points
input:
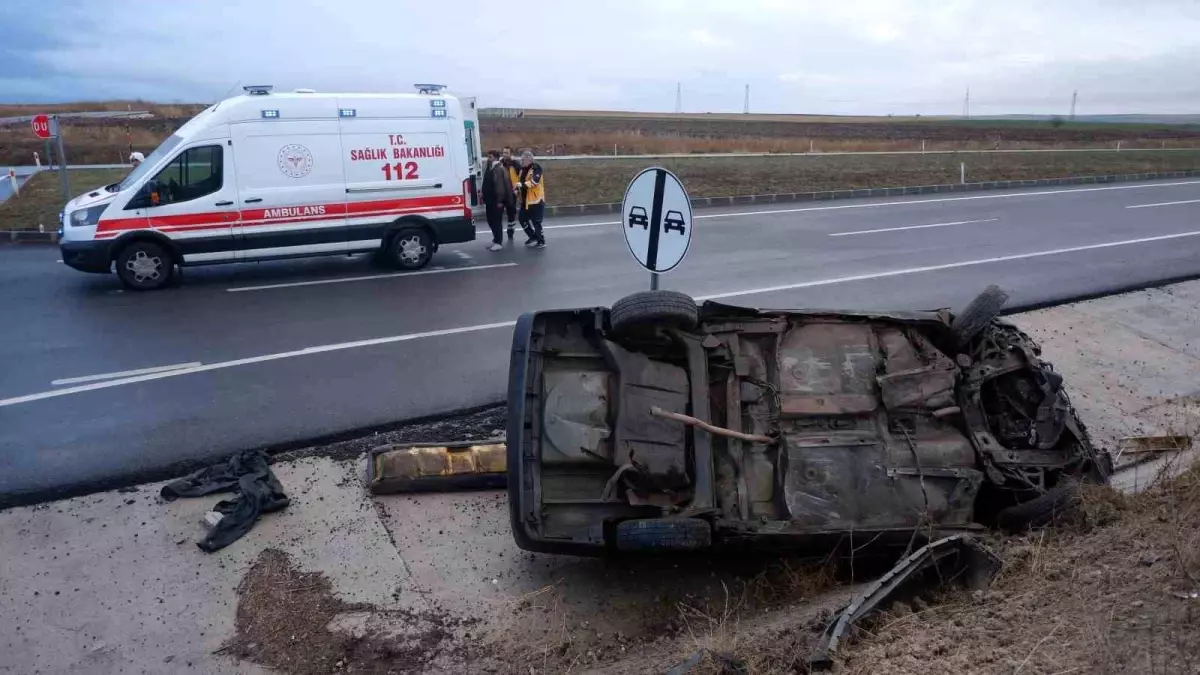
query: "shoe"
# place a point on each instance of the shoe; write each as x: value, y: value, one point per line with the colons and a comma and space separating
x: 495, y: 247
x: 540, y: 245
x: 530, y: 243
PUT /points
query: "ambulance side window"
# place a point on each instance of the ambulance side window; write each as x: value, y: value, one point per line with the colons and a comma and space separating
x: 196, y: 172
x: 469, y: 128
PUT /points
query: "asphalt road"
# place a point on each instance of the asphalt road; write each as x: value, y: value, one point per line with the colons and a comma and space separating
x: 273, y: 353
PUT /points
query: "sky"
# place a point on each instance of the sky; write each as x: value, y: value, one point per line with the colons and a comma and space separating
x: 867, y: 57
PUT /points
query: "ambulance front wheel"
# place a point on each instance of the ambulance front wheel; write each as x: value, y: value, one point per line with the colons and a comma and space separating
x: 410, y: 249
x: 144, y: 266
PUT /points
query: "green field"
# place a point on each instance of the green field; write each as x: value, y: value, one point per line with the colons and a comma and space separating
x: 41, y: 197
x: 602, y: 181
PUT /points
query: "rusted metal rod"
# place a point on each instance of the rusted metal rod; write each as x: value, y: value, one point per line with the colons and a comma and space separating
x: 719, y: 431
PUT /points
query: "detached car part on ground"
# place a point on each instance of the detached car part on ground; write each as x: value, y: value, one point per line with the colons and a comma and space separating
x: 657, y: 425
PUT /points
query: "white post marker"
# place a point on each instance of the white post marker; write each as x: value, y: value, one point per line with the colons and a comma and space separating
x: 12, y: 177
x: 656, y: 216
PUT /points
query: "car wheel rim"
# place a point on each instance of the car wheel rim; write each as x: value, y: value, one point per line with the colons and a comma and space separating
x: 412, y: 250
x: 144, y: 267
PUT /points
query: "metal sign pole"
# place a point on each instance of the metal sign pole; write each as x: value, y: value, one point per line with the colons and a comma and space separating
x: 656, y: 218
x: 62, y: 158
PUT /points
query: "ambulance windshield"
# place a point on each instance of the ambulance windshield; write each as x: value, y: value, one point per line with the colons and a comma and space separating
x: 151, y: 159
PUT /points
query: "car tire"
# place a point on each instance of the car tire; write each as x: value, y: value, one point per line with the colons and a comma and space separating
x: 409, y: 249
x: 663, y: 534
x: 648, y: 309
x: 144, y: 266
x: 1046, y: 509
x: 986, y: 306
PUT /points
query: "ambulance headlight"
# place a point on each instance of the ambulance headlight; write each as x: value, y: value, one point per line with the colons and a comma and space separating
x: 87, y: 217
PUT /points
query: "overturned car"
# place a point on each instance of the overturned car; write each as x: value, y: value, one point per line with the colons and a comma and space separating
x: 658, y: 425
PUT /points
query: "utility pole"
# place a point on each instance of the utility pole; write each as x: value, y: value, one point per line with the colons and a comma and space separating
x: 967, y: 105
x: 678, y: 97
x: 1074, y: 98
x: 746, y: 107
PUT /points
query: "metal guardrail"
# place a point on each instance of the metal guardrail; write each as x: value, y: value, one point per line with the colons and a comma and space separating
x: 103, y: 114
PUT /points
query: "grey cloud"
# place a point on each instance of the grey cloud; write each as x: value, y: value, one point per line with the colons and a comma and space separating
x: 853, y: 56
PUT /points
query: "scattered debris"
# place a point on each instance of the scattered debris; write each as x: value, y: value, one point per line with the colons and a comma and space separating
x: 437, y: 467
x: 1151, y: 445
x: 947, y: 560
x: 258, y: 491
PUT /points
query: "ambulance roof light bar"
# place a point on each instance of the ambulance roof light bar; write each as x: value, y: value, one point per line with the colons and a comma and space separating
x: 257, y: 89
x: 431, y: 89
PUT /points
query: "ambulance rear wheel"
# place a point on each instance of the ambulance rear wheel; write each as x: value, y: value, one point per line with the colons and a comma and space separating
x: 144, y: 266
x: 409, y: 249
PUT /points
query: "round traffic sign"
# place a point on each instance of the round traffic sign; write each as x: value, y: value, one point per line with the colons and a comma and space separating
x: 41, y: 126
x: 656, y: 216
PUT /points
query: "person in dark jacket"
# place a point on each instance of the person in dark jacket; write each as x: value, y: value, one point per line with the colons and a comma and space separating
x: 497, y: 192
x: 514, y: 175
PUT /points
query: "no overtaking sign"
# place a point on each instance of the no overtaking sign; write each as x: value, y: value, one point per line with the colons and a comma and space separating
x: 656, y: 216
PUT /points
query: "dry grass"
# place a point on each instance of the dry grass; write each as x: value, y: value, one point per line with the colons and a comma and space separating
x: 553, y: 632
x: 1110, y: 597
x: 41, y: 198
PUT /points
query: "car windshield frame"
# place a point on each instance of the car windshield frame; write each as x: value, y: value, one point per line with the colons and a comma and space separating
x: 142, y: 169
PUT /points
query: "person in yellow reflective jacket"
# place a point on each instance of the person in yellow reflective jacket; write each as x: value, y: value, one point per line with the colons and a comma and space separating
x: 531, y: 184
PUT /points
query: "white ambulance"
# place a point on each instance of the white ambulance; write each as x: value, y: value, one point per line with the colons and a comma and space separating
x: 268, y: 175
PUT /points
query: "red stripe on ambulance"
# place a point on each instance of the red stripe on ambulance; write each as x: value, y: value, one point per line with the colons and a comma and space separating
x: 192, y: 222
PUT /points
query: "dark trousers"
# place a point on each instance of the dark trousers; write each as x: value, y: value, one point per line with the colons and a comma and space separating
x: 510, y: 208
x: 495, y: 218
x: 532, y: 221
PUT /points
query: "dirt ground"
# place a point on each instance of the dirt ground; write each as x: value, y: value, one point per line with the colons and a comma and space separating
x: 561, y: 135
x: 289, y: 620
x: 96, y: 141
x: 1117, y: 590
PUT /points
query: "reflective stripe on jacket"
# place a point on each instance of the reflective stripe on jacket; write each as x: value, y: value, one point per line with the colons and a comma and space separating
x: 533, y: 185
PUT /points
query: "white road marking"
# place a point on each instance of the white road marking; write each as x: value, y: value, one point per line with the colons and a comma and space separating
x: 342, y: 280
x: 1150, y: 206
x: 27, y: 398
x: 320, y: 349
x: 838, y: 207
x: 464, y: 255
x: 913, y: 227
x: 123, y: 373
x: 947, y: 266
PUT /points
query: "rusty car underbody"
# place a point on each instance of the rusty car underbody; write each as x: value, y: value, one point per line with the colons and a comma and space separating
x: 803, y: 429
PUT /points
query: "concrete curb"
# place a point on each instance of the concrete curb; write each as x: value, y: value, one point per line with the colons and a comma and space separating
x: 791, y: 197
x: 29, y: 237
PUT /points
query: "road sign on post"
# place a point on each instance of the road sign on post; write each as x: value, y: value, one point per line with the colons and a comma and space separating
x: 41, y: 126
x: 656, y: 216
